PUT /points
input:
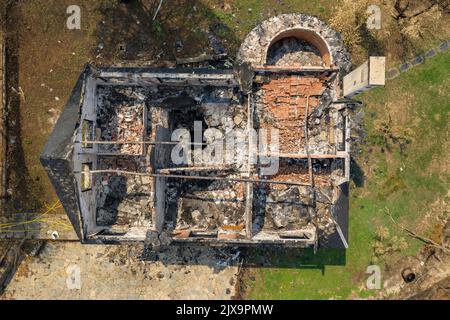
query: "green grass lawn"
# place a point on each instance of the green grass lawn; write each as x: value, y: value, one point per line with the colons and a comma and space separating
x: 405, y: 165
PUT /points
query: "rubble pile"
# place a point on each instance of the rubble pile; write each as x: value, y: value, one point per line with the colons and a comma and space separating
x: 217, y: 109
x: 120, y: 117
x: 210, y: 205
x: 301, y: 175
x: 225, y: 119
x: 208, y: 214
x: 294, y: 53
x: 285, y: 209
x: 125, y: 124
x: 318, y: 134
x: 281, y: 104
x: 291, y: 91
x: 324, y: 201
x: 231, y: 122
x: 131, y: 127
x: 288, y: 209
x: 123, y: 200
x: 296, y: 170
x: 324, y: 219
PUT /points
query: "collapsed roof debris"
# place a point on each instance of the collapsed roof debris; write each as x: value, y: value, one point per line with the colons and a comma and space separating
x: 151, y: 159
x: 292, y: 52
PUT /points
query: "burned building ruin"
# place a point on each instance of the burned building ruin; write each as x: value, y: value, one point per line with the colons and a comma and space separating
x: 111, y: 154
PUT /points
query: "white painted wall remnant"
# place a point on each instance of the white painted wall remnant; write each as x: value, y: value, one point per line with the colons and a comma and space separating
x: 368, y: 75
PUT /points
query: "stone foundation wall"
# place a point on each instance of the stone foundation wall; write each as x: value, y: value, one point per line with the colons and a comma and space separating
x: 256, y: 45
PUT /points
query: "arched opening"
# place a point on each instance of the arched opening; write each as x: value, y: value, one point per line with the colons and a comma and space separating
x: 298, y: 48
